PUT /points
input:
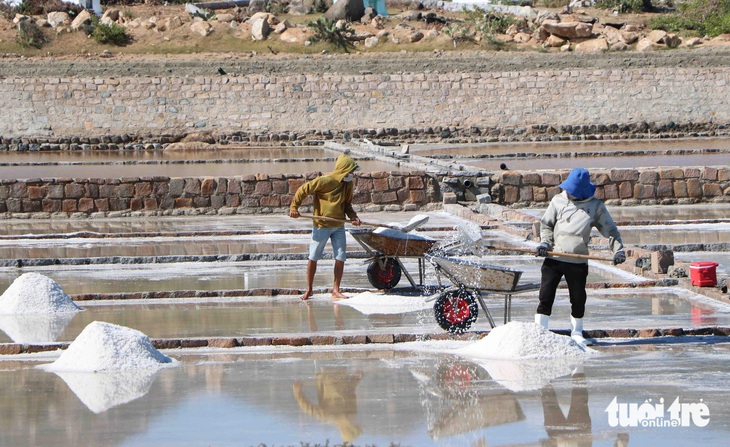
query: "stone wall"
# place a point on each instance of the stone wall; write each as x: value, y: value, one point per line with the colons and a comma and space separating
x: 376, y: 191
x: 82, y: 107
x: 247, y: 194
x: 620, y: 186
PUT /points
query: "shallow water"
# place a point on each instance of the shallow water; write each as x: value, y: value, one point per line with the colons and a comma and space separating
x: 419, y: 395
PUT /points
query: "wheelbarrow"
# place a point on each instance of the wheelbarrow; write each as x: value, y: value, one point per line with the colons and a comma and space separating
x: 457, y: 307
x: 386, y: 247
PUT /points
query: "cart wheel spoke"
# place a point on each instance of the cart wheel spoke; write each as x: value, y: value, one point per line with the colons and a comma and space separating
x: 456, y: 310
x: 384, y: 273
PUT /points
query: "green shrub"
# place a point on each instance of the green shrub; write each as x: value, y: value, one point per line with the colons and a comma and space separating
x: 700, y: 17
x: 112, y: 33
x: 30, y: 34
x: 326, y: 30
x: 485, y: 23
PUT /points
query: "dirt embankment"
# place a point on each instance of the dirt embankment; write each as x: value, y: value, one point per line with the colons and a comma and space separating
x: 384, y: 63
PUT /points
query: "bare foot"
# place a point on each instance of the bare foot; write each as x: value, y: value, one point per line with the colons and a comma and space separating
x: 308, y: 294
x: 338, y: 295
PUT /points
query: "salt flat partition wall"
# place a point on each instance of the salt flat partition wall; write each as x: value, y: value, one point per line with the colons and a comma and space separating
x: 33, y: 107
x: 376, y: 191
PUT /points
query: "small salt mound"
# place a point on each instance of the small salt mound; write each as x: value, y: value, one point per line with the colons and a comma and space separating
x: 107, y: 347
x: 33, y: 293
x: 369, y: 303
x: 517, y: 340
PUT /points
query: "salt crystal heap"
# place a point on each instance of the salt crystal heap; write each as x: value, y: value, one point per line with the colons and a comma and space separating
x: 102, y: 347
x: 33, y: 293
x: 517, y: 340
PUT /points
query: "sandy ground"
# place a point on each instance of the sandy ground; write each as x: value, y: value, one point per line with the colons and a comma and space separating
x: 442, y: 62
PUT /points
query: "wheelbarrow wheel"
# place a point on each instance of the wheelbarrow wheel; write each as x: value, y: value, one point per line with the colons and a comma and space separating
x: 456, y: 310
x: 384, y: 273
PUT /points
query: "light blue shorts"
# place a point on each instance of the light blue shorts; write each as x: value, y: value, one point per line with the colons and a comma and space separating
x: 319, y: 240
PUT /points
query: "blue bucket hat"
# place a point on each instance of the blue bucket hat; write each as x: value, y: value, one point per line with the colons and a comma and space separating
x: 578, y: 184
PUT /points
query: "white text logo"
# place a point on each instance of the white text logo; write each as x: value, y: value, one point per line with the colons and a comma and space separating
x: 648, y: 414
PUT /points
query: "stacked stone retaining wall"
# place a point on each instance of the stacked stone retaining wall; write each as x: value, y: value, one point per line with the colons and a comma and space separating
x: 376, y: 191
x: 95, y: 106
x: 260, y: 193
x: 621, y: 186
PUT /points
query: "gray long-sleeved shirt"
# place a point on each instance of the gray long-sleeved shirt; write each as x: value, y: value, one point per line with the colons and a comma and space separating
x: 566, y: 226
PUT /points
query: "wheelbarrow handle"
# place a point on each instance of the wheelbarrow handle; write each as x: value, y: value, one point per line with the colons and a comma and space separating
x: 550, y: 253
x: 332, y: 219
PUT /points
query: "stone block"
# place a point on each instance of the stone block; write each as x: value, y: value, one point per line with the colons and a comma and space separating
x: 680, y: 189
x: 624, y: 175
x: 102, y: 204
x: 671, y: 174
x: 512, y: 178
x: 661, y: 261
x: 290, y: 341
x: 415, y: 182
x: 354, y: 339
x: 449, y: 198
x: 549, y: 179
x: 270, y: 201
x: 417, y: 196
x: 168, y: 343
x: 380, y: 338
x: 222, y: 343
x: 395, y: 182
x: 69, y: 206
x: 10, y: 349
x: 143, y: 189
x: 625, y: 190
x: 74, y: 191
x: 280, y: 187
x: 192, y: 186
x: 711, y: 190
x: 125, y: 190
x: 665, y: 188
x: 207, y: 186
x: 86, y: 205
x: 511, y: 194
x: 183, y: 202
x: 648, y: 333
x: 37, y: 192
x: 709, y: 173
x: 193, y: 343
x: 51, y: 205
x: 648, y: 177
x: 255, y: 341
x: 326, y: 340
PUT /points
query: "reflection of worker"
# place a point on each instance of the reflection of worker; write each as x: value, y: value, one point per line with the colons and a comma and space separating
x: 575, y: 429
x: 566, y: 228
x: 336, y: 400
x: 339, y: 322
x: 332, y: 195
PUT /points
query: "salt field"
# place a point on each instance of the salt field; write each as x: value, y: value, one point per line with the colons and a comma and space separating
x: 189, y: 330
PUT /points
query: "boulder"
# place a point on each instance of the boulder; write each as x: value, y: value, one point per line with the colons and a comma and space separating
x: 629, y: 36
x: 691, y: 42
x: 351, y: 10
x: 370, y: 42
x: 568, y: 30
x: 656, y: 36
x: 81, y: 19
x: 554, y: 42
x: 612, y: 35
x: 619, y: 46
x: 415, y: 36
x: 202, y: 28
x: 522, y: 37
x: 58, y: 18
x: 111, y: 13
x: 300, y: 10
x: 270, y: 18
x: 647, y: 45
x: 295, y: 35
x: 225, y: 17
x: 592, y: 46
x: 260, y: 29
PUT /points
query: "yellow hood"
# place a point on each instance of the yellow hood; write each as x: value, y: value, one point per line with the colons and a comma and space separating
x: 343, y: 166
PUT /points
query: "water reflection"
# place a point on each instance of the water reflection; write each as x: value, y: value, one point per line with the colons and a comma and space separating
x: 575, y: 428
x: 100, y: 391
x: 35, y: 328
x: 336, y: 401
x: 456, y: 402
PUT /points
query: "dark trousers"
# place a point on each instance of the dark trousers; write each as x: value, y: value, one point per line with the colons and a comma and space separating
x: 575, y: 275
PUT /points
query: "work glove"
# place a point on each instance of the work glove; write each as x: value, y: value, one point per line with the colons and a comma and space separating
x: 542, y: 250
x: 619, y: 257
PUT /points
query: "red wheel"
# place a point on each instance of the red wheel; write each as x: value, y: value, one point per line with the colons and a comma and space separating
x: 456, y: 310
x: 384, y: 273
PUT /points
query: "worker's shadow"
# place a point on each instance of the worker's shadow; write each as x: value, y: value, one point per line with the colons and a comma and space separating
x: 336, y: 400
x: 575, y: 427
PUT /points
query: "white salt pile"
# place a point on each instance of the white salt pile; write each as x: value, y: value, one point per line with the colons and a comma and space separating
x: 107, y: 347
x: 396, y: 234
x: 369, y: 303
x: 33, y: 293
x: 516, y: 340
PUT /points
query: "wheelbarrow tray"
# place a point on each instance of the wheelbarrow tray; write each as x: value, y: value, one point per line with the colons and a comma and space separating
x: 408, y: 245
x: 475, y: 275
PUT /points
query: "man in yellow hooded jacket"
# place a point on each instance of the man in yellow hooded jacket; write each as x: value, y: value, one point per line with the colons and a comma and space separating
x: 332, y: 194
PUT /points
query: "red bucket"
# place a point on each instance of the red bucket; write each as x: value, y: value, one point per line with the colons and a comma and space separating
x: 703, y: 273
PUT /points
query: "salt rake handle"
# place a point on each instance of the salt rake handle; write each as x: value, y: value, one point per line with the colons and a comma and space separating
x: 332, y: 219
x: 551, y: 253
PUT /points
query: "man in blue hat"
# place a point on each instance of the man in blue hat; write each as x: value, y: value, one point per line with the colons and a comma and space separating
x: 566, y: 228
